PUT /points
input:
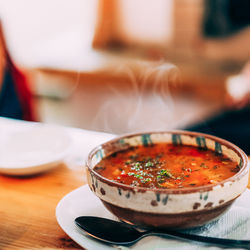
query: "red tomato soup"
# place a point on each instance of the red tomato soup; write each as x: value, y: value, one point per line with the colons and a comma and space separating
x: 165, y: 165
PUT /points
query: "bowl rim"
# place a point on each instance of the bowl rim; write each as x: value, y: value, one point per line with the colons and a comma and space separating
x: 243, y: 171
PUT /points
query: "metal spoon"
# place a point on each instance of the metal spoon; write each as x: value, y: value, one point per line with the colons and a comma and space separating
x: 121, y: 233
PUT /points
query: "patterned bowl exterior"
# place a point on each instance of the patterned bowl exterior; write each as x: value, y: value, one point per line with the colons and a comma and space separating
x: 175, y: 208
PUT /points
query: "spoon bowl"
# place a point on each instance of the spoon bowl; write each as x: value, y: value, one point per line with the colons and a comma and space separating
x: 109, y: 231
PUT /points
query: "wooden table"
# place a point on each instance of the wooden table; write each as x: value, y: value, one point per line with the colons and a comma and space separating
x: 27, y: 208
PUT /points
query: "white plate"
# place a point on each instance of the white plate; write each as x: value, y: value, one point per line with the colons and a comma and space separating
x: 33, y: 149
x: 82, y: 202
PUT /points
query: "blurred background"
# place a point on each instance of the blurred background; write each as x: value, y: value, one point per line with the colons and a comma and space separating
x: 128, y: 65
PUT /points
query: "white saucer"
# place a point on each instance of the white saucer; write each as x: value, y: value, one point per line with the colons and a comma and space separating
x: 32, y: 150
x: 82, y: 202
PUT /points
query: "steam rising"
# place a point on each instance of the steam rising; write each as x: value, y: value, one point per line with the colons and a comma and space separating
x: 144, y: 103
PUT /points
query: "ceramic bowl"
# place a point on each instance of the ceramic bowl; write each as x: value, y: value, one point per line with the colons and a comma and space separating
x: 168, y: 208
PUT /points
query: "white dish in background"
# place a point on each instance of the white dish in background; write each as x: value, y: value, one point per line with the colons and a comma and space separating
x: 82, y: 202
x: 32, y: 150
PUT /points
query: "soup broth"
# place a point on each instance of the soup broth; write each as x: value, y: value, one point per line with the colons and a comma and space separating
x: 165, y: 165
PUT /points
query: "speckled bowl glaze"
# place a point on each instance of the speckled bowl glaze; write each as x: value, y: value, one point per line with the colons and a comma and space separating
x: 168, y: 208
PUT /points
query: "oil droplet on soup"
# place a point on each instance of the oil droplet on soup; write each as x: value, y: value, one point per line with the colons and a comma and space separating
x: 165, y: 165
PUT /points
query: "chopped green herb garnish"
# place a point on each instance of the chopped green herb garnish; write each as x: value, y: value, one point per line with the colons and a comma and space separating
x: 160, y: 179
x: 166, y: 173
x: 149, y: 164
x: 145, y: 180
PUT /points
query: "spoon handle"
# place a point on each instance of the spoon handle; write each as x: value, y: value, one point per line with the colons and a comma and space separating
x: 204, y: 239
